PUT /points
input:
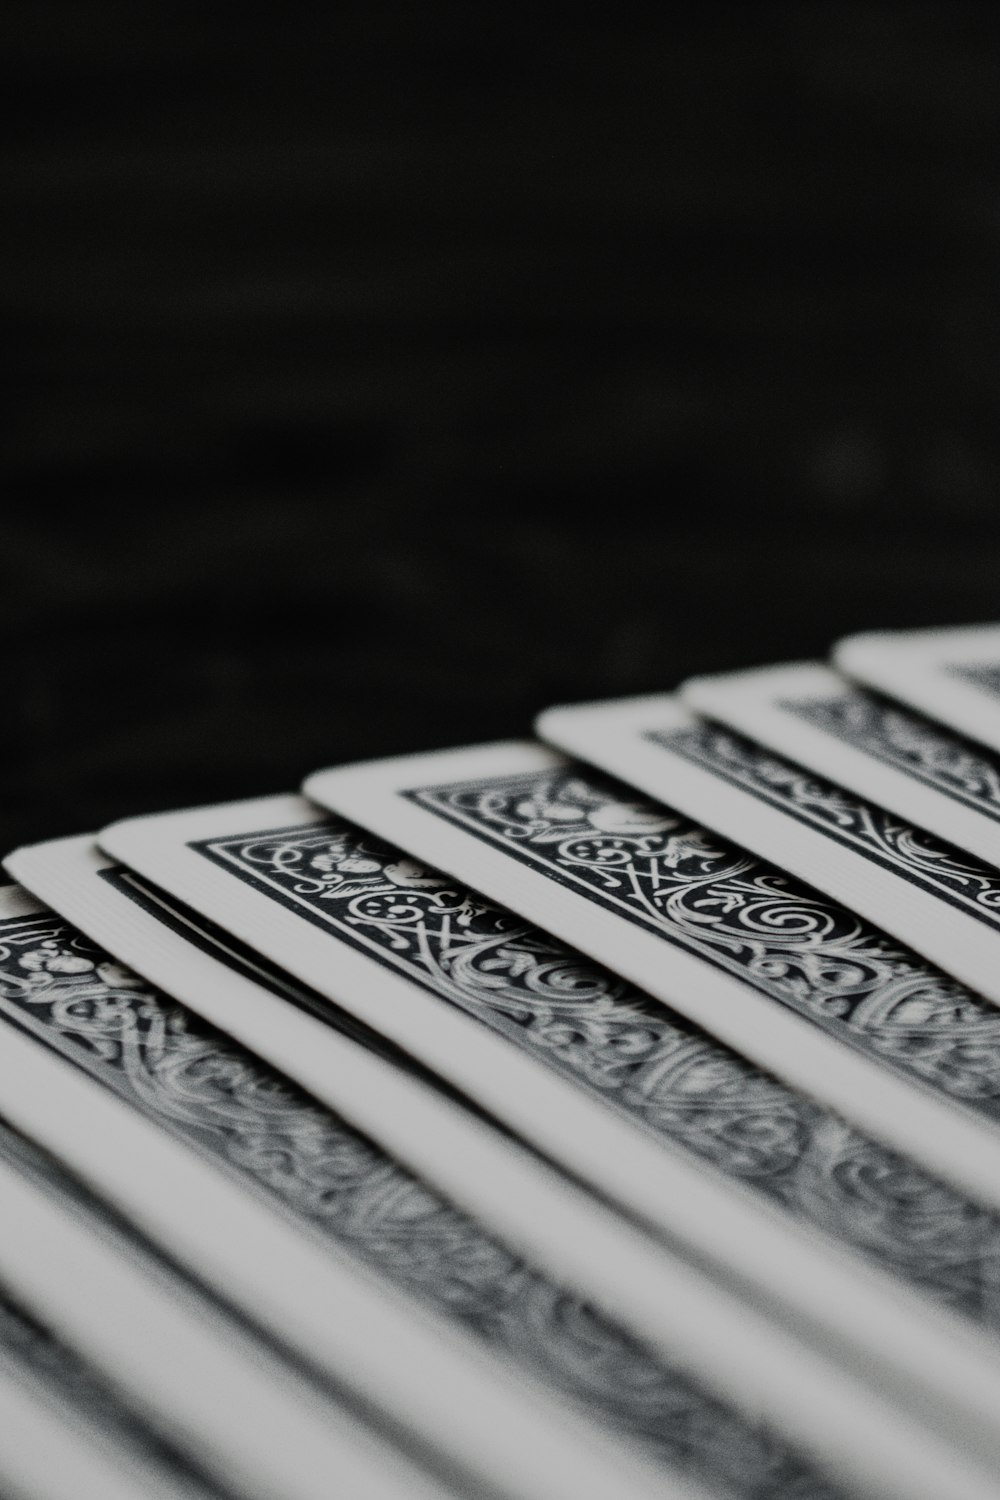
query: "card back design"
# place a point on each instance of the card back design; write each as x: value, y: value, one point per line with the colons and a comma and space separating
x: 651, y: 1065
x: 739, y: 914
x: 911, y: 854
x: 66, y: 992
x: 210, y: 938
x: 944, y: 762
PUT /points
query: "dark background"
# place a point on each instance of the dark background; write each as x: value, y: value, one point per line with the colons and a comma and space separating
x: 378, y: 374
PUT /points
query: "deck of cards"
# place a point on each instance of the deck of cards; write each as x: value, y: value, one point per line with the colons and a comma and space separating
x: 604, y: 1116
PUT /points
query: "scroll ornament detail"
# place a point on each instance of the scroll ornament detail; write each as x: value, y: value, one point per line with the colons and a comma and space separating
x: 212, y: 1092
x: 913, y: 744
x: 643, y: 1060
x: 742, y: 915
x: 911, y: 852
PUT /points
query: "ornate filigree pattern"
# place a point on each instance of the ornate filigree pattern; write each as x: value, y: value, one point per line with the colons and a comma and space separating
x: 198, y: 931
x: 742, y: 915
x: 912, y: 854
x: 217, y: 1096
x: 914, y: 745
x: 618, y: 1043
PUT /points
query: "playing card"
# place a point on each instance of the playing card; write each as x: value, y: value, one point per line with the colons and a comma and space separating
x: 214, y: 973
x: 658, y: 1074
x: 170, y: 1349
x: 47, y: 1453
x: 66, y: 1435
x: 237, y: 1175
x: 602, y: 1255
x: 858, y: 739
x: 929, y: 895
x: 801, y: 986
x: 415, y: 1237
x: 338, y: 1059
x: 953, y: 676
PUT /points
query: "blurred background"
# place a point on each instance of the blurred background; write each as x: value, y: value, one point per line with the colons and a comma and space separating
x: 379, y: 374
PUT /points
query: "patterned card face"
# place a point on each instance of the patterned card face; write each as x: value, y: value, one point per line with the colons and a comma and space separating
x: 260, y: 1423
x: 662, y: 872
x: 243, y: 864
x: 944, y: 762
x: 929, y: 894
x: 240, y: 957
x: 204, y: 1088
x: 916, y: 857
x: 941, y: 792
x: 652, y: 1066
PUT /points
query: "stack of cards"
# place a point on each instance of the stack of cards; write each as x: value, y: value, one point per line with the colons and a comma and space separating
x: 601, y: 1117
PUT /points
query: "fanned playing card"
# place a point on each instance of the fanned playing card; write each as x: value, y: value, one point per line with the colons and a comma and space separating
x: 400, y: 1227
x: 621, y: 1270
x: 799, y: 984
x: 250, y: 1420
x: 65, y: 1431
x: 241, y: 1175
x: 494, y: 1126
x: 928, y: 894
x: 952, y: 676
x: 887, y: 754
x: 182, y: 950
x: 277, y: 886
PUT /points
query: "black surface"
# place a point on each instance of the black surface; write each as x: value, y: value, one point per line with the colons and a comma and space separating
x: 380, y: 374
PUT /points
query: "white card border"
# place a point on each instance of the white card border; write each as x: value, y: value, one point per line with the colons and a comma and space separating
x: 685, y: 1200
x: 157, y: 847
x: 232, y: 1403
x: 561, y: 1228
x: 908, y: 666
x: 946, y: 1138
x: 373, y: 1336
x: 52, y: 1450
x: 753, y: 704
x: 958, y: 942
